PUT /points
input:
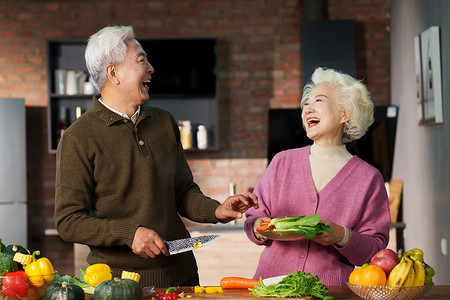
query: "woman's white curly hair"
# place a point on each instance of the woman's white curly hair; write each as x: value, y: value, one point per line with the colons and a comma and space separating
x: 353, y: 99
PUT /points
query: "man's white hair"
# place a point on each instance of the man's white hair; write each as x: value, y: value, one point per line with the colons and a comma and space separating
x: 105, y: 47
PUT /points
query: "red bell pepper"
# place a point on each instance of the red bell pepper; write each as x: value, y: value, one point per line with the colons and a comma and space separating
x: 15, y: 285
x: 169, y: 294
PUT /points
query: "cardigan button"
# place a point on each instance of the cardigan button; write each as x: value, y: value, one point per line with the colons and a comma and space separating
x: 141, y: 142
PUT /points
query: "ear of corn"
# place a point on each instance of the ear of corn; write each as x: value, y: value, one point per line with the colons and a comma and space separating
x: 24, y: 259
x: 131, y: 275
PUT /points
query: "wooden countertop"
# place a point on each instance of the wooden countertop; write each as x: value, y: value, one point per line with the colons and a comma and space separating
x: 436, y: 292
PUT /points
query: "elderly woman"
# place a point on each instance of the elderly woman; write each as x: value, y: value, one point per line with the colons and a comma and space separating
x: 348, y: 193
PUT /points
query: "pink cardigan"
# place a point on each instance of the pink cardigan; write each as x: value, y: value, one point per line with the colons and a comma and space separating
x: 356, y: 198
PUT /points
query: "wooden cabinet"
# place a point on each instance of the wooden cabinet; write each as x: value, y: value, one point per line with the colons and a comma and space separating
x: 201, y: 108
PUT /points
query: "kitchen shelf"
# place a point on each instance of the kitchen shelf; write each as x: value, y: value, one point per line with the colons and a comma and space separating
x: 69, y: 54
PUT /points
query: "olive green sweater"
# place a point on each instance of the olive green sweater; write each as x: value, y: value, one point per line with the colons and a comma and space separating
x: 113, y: 176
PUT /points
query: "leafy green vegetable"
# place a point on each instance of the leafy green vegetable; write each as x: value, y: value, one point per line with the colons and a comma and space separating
x: 289, y: 222
x: 298, y: 284
x: 88, y: 289
x: 7, y: 264
x: 307, y: 226
x: 2, y: 246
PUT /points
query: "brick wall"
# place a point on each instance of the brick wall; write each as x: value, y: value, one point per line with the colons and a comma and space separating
x: 259, y: 56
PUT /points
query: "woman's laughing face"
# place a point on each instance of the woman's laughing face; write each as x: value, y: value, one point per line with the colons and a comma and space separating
x: 321, y: 117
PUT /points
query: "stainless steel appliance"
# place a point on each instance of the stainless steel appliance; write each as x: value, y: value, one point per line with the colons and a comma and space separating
x: 13, y: 190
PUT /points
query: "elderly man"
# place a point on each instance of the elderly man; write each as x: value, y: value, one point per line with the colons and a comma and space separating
x: 122, y: 179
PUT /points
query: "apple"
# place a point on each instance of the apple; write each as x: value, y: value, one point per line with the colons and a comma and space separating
x: 386, y: 259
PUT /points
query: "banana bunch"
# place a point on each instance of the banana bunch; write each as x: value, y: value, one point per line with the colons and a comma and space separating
x: 402, y: 274
x: 411, y: 271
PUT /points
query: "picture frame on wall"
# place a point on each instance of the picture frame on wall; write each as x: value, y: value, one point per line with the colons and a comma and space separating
x: 430, y: 64
x: 418, y: 71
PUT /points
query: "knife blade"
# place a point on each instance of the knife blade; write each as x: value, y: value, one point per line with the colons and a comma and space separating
x: 189, y: 244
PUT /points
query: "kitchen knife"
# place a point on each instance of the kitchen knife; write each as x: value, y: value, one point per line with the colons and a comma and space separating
x: 188, y: 244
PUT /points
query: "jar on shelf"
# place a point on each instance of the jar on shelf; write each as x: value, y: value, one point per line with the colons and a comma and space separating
x: 186, y: 134
x: 202, y: 137
x: 60, y: 81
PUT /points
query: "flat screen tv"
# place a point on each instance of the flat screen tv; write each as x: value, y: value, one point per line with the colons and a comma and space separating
x: 285, y: 131
x: 376, y: 147
x: 183, y: 67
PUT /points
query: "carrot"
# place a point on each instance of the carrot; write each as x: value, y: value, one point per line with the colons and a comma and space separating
x: 265, y: 226
x: 238, y: 283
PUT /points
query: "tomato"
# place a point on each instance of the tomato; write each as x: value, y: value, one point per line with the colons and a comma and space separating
x: 371, y: 275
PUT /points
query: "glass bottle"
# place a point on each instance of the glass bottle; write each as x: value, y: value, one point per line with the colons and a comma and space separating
x: 186, y: 135
x: 78, y: 112
x: 62, y: 124
x: 202, y: 137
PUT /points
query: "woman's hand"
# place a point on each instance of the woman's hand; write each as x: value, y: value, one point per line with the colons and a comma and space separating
x: 335, y: 235
x: 258, y: 222
x: 234, y: 206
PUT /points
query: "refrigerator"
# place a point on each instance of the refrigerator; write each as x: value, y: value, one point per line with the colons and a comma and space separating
x: 13, y: 185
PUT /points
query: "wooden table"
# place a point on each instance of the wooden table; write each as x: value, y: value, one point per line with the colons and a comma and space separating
x: 437, y: 292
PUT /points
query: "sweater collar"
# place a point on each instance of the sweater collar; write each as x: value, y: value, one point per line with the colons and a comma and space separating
x: 330, y: 153
x: 133, y: 117
x: 110, y: 117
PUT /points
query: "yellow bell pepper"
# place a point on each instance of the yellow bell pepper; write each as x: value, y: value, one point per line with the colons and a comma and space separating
x: 40, y: 271
x: 208, y: 289
x: 213, y: 290
x: 97, y: 273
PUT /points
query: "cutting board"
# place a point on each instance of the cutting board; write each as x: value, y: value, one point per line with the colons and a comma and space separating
x: 239, y: 294
x: 395, y: 197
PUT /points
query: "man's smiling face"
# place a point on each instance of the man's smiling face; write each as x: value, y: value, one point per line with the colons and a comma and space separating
x: 135, y: 74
